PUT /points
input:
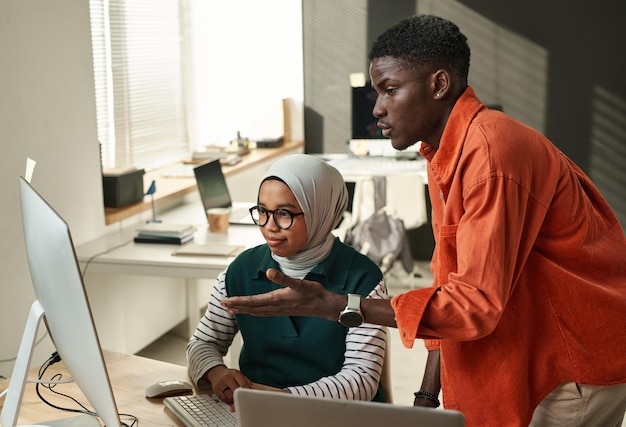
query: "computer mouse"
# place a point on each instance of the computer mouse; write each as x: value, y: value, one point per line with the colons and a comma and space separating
x: 169, y: 388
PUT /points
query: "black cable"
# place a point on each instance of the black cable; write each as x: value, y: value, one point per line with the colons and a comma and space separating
x: 54, y: 358
x: 42, y: 370
x: 134, y: 423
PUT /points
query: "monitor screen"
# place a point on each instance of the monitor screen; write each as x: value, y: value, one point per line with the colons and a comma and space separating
x: 363, y: 120
x: 61, y: 296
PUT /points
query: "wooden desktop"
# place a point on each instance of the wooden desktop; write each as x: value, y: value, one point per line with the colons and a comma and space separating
x: 129, y: 375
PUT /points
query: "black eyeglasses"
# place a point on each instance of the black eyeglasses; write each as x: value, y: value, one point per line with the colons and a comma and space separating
x: 282, y: 217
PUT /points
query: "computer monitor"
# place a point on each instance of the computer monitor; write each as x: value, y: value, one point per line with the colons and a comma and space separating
x: 62, y: 301
x: 363, y: 120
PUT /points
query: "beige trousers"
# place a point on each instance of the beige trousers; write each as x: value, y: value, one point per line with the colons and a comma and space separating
x: 579, y: 405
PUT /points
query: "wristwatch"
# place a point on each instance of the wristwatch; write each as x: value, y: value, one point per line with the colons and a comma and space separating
x: 351, y: 316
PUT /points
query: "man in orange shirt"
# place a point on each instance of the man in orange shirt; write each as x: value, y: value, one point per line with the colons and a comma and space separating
x: 527, y: 312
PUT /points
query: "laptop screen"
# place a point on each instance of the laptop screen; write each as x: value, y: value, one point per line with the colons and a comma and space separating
x: 212, y: 185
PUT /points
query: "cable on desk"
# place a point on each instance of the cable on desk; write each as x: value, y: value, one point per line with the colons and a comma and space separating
x: 54, y: 358
x: 50, y: 386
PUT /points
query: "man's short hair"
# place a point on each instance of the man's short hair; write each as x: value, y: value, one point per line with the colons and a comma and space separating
x: 426, y: 43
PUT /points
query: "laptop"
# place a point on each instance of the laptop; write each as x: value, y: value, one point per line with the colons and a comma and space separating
x: 214, y: 193
x: 259, y: 408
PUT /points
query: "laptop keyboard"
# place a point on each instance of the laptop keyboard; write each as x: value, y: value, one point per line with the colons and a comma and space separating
x: 201, y: 410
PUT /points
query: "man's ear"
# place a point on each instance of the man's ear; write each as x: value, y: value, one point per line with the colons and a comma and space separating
x: 440, y: 83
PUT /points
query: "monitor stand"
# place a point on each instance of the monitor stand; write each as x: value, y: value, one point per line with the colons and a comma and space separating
x: 13, y: 401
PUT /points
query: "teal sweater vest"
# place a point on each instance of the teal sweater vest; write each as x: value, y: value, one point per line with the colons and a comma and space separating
x: 284, y: 351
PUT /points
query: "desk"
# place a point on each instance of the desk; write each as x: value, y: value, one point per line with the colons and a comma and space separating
x: 403, y: 177
x: 116, y: 253
x: 129, y: 376
x: 407, y: 194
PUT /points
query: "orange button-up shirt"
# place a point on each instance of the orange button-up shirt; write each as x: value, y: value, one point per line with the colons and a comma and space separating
x: 529, y: 271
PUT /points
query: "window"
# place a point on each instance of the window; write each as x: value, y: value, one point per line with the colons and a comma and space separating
x: 175, y: 76
x: 138, y: 57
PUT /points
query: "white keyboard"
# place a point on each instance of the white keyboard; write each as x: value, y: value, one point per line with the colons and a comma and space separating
x: 201, y: 410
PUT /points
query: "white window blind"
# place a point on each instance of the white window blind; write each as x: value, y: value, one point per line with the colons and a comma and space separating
x: 138, y: 69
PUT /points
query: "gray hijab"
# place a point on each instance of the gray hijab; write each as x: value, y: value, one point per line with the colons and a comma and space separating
x: 322, y: 195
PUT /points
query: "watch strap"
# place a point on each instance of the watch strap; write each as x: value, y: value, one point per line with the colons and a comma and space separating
x: 354, y: 302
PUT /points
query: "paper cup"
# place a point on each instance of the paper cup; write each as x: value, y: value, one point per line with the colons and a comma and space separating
x: 218, y: 219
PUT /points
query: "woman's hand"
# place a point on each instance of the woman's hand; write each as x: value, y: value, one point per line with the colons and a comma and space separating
x: 224, y: 381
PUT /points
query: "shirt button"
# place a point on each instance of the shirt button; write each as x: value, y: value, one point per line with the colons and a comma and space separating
x: 441, y: 195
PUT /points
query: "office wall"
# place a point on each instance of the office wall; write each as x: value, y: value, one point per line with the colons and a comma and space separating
x: 47, y: 112
x: 585, y: 98
x: 336, y: 38
x: 334, y: 43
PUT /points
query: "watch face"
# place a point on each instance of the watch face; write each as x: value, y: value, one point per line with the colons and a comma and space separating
x: 351, y: 318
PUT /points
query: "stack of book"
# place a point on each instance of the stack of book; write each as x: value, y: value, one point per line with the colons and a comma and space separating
x: 156, y: 232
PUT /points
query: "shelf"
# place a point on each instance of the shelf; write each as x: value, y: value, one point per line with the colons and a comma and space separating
x: 172, y: 189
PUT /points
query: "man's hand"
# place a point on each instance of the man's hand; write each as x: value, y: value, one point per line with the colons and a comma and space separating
x: 297, y: 298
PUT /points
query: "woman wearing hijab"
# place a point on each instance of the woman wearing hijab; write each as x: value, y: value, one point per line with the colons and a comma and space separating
x: 301, y: 200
